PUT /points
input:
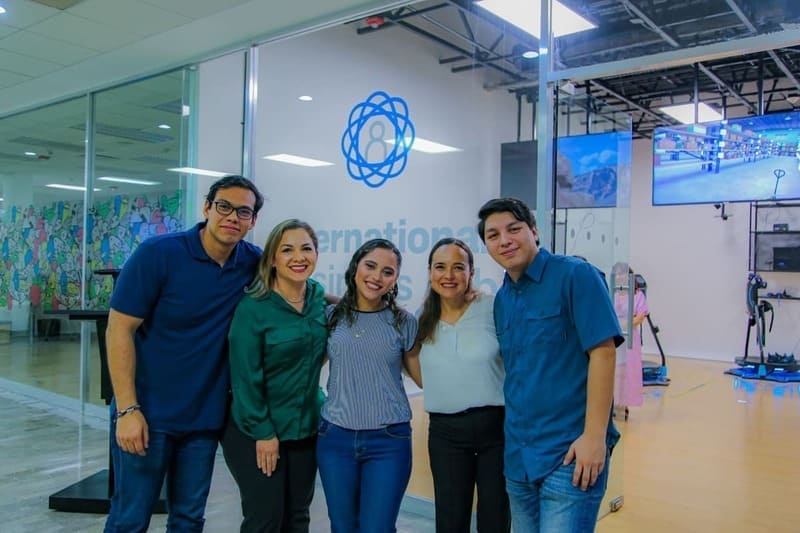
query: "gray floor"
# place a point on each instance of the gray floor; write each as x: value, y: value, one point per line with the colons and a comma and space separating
x: 46, y: 445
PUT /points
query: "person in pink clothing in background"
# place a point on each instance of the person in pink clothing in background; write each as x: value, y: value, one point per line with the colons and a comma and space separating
x: 629, y: 389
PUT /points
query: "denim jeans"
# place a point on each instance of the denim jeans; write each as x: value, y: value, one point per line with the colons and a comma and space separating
x: 466, y: 449
x: 553, y: 505
x: 187, y: 462
x: 364, y: 475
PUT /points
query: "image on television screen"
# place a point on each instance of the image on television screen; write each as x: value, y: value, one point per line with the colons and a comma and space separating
x: 591, y: 168
x: 735, y: 160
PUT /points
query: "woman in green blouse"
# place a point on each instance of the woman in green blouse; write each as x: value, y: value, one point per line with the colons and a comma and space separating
x: 277, y: 344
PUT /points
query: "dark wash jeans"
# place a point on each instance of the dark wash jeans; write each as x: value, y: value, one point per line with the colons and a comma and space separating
x: 466, y: 449
x: 364, y: 475
x: 276, y: 503
x: 187, y: 462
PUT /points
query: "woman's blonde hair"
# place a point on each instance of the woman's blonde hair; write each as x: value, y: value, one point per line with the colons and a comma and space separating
x: 265, y: 276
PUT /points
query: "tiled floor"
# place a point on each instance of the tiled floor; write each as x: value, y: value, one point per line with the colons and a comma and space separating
x: 46, y: 447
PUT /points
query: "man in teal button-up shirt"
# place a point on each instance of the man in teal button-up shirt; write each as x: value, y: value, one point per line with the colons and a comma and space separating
x: 558, y: 332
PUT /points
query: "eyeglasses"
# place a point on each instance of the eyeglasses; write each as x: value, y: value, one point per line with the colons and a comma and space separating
x: 225, y: 209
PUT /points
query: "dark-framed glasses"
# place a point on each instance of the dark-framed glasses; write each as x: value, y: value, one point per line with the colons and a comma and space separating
x: 225, y: 209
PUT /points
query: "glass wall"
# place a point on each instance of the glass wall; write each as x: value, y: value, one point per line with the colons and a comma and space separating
x: 41, y: 230
x: 139, y: 132
x: 395, y: 127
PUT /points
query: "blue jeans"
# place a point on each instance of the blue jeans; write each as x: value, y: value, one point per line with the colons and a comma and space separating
x: 553, y: 505
x: 187, y: 462
x: 364, y: 475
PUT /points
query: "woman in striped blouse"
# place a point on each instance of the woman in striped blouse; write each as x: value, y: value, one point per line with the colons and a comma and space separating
x: 364, y: 442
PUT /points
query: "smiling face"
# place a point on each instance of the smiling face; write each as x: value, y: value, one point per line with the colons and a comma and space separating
x: 227, y: 230
x: 376, y: 274
x: 511, y: 242
x: 295, y: 257
x: 450, y: 272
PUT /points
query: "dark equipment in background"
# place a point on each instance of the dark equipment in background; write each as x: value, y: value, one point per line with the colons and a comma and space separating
x: 652, y: 373
x: 757, y: 311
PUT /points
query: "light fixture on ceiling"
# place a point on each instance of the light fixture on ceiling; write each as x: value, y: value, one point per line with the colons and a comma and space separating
x: 297, y: 160
x: 30, y: 154
x: 530, y: 54
x: 68, y: 187
x: 164, y: 127
x: 129, y: 180
x: 429, y: 147
x: 200, y: 172
x: 2, y: 10
x: 685, y: 113
x: 305, y: 98
x: 527, y: 16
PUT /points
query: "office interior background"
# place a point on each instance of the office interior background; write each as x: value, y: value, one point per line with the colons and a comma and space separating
x: 115, y: 115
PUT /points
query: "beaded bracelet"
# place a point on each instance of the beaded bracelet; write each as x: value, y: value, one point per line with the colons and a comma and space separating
x: 132, y: 408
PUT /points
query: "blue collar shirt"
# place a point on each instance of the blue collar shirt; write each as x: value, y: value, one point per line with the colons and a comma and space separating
x: 546, y: 322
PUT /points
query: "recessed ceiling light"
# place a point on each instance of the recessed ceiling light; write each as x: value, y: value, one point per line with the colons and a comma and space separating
x: 164, y: 127
x: 530, y: 54
x: 129, y: 180
x: 305, y: 98
x: 2, y: 10
x: 1, y: 198
x: 67, y: 187
x: 426, y: 146
x: 298, y: 160
x: 32, y: 154
x: 527, y: 16
x: 200, y: 172
x: 685, y: 113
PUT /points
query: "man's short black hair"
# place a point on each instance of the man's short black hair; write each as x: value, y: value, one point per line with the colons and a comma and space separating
x: 235, y: 181
x: 515, y: 206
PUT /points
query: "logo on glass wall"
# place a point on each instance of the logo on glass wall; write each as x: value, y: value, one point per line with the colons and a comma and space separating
x: 377, y: 139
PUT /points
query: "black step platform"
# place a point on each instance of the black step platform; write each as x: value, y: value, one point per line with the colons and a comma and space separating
x: 90, y: 495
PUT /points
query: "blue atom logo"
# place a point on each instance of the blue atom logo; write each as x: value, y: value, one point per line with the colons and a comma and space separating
x: 374, y: 160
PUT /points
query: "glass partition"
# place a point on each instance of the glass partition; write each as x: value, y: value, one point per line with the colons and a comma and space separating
x: 140, y: 131
x: 395, y: 127
x: 592, y: 199
x: 140, y: 134
x: 41, y: 229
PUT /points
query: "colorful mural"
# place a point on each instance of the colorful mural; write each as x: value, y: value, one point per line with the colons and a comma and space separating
x: 40, y: 247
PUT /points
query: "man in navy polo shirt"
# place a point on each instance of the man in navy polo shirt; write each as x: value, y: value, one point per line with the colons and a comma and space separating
x: 558, y: 333
x: 167, y: 356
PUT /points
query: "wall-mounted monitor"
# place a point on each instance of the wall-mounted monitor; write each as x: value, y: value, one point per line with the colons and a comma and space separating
x: 735, y: 160
x: 591, y: 169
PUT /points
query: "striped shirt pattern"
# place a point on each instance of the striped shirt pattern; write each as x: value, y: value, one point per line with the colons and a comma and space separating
x: 365, y: 386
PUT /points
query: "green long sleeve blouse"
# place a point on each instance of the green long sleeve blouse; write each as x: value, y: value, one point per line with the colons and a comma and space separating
x: 276, y: 355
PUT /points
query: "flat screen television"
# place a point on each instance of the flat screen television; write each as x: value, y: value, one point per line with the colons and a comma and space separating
x: 735, y: 160
x: 593, y: 170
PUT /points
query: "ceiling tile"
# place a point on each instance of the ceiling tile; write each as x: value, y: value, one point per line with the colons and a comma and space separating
x: 26, y: 65
x: 146, y: 19
x: 85, y: 33
x: 8, y: 79
x: 5, y: 31
x: 195, y: 9
x: 22, y: 13
x: 41, y: 47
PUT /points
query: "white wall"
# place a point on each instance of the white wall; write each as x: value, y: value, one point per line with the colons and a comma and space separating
x: 341, y: 69
x: 696, y: 268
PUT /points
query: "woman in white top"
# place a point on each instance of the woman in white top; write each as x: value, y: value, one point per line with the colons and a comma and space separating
x: 462, y: 374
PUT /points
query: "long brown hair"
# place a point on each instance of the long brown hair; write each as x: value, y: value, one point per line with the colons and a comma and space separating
x: 345, y: 310
x: 432, y: 306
